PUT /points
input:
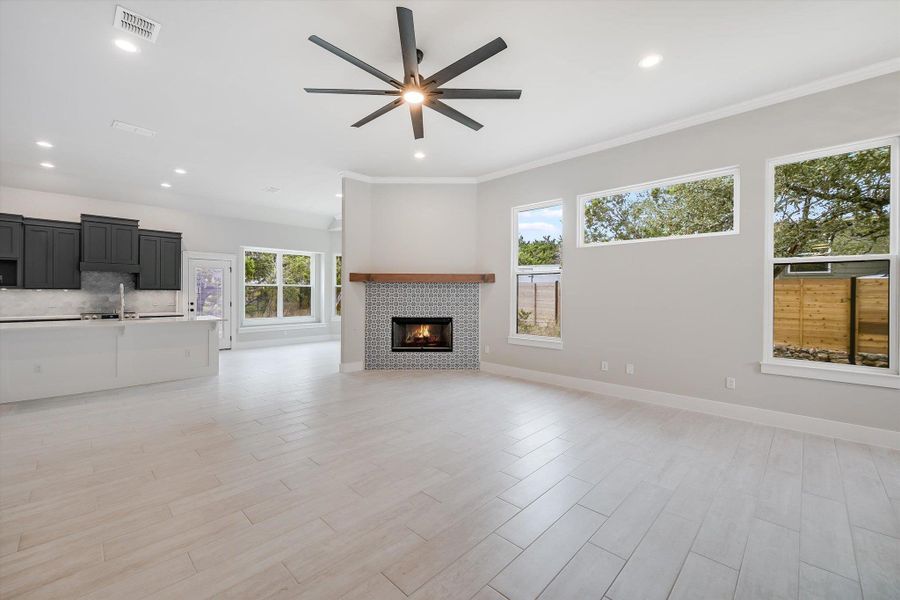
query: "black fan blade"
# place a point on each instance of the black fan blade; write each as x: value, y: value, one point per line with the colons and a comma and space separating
x: 467, y: 62
x: 408, y: 46
x: 355, y: 61
x: 454, y: 114
x: 383, y: 110
x: 415, y: 111
x: 359, y: 92
x: 478, y: 94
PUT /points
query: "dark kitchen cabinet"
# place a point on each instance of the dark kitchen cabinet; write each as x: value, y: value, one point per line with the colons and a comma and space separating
x: 51, y: 254
x: 65, y: 255
x: 109, y: 244
x: 10, y: 251
x: 160, y: 260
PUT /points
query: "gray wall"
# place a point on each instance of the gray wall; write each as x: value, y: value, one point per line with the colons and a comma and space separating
x: 202, y: 233
x: 687, y: 313
x: 357, y: 245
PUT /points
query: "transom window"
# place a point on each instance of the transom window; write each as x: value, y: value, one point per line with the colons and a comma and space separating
x: 278, y: 286
x: 537, y: 271
x: 701, y: 204
x: 832, y: 253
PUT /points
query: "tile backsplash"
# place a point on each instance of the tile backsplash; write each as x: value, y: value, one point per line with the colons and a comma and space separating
x: 99, y: 293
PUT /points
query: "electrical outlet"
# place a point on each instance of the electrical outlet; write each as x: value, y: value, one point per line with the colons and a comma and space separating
x: 604, y: 366
x: 187, y: 353
x: 487, y: 349
x: 729, y: 383
x: 629, y: 368
x: 38, y: 368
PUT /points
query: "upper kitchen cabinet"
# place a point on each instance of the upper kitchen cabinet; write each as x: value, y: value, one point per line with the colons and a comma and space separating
x: 51, y: 254
x: 10, y: 251
x: 109, y: 244
x: 160, y: 258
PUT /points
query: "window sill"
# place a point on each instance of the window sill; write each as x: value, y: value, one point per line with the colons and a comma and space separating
x: 831, y: 372
x: 535, y: 341
x: 244, y: 328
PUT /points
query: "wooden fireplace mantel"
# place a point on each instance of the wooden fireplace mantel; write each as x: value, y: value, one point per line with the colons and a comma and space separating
x: 424, y: 277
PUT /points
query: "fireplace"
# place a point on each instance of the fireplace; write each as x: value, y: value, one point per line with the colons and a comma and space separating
x: 422, y: 334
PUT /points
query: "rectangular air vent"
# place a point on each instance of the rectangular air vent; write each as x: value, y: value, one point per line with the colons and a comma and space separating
x: 271, y: 189
x: 123, y: 126
x: 135, y: 24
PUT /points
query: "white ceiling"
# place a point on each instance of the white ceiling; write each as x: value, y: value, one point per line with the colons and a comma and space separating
x: 222, y: 86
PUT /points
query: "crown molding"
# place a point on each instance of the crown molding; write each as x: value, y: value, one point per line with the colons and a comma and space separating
x: 354, y: 175
x: 408, y: 180
x: 875, y: 70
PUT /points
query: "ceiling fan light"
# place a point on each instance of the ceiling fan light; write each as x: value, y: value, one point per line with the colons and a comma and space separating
x: 414, y: 96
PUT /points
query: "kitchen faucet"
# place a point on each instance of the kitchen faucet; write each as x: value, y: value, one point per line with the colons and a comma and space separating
x: 121, y: 301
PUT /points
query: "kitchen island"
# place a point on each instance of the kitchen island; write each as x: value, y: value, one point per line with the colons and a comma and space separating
x: 40, y: 359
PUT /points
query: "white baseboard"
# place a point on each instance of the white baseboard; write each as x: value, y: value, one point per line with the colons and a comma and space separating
x: 774, y: 418
x: 351, y: 367
x: 285, y: 341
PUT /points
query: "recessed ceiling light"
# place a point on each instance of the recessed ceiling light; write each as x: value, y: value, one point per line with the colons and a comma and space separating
x: 48, y: 165
x: 126, y: 45
x: 650, y: 61
x: 181, y: 171
x: 339, y: 195
x: 420, y: 155
x: 414, y: 96
x: 44, y: 144
x: 165, y: 185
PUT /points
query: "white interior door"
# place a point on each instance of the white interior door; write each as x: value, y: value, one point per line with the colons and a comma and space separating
x: 209, y: 294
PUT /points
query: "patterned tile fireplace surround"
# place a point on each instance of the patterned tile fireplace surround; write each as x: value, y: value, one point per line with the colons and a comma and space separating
x: 456, y: 300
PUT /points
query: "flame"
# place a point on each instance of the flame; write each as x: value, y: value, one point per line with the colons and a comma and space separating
x: 422, y: 334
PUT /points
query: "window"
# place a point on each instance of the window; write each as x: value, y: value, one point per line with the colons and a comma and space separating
x: 278, y: 286
x: 809, y: 268
x: 701, y: 204
x: 832, y: 252
x: 338, y: 260
x: 537, y: 250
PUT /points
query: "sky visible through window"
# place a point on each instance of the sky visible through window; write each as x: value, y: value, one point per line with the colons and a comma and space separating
x: 539, y: 222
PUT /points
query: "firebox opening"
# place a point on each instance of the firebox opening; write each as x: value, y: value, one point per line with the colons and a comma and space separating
x: 422, y: 334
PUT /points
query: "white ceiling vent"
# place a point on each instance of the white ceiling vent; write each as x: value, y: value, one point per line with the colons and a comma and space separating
x: 123, y: 126
x: 271, y: 189
x: 135, y: 24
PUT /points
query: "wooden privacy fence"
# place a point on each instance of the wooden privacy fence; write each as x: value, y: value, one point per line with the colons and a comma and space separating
x: 541, y: 300
x: 848, y: 315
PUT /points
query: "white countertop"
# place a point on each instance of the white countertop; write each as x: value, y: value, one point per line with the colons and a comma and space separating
x: 46, y: 324
x: 78, y: 317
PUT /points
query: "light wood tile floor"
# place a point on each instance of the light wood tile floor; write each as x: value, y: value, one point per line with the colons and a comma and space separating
x: 281, y: 478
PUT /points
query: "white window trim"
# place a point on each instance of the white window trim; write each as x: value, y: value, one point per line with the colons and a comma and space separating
x: 536, y: 341
x: 281, y: 322
x: 856, y: 374
x: 733, y: 171
x: 334, y: 285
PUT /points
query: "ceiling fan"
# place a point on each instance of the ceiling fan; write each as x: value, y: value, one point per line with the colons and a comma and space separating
x: 417, y: 91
